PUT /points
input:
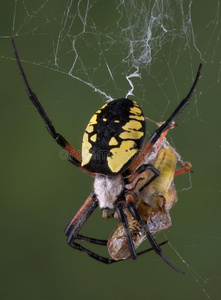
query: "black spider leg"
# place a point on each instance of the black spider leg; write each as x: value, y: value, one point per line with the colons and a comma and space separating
x: 32, y: 96
x: 157, y: 133
x: 92, y: 240
x: 104, y: 243
x: 150, y: 249
x: 123, y: 219
x: 72, y: 231
x: 103, y: 259
x: 132, y: 208
x: 93, y: 255
x: 143, y: 168
x: 56, y: 136
x: 119, y: 209
x: 73, y: 228
x: 74, y: 161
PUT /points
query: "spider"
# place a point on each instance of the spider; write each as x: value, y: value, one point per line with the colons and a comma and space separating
x: 113, y: 154
x: 154, y: 201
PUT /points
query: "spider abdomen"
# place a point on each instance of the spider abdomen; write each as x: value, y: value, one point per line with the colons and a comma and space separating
x: 113, y: 137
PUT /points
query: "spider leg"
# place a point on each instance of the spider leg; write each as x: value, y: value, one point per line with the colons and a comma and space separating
x: 156, y: 174
x: 77, y: 222
x: 77, y: 164
x: 92, y: 240
x: 75, y: 226
x: 157, y: 133
x: 106, y: 260
x: 156, y: 147
x: 142, y: 169
x: 55, y: 135
x: 93, y: 255
x: 150, y: 249
x: 132, y: 208
x: 123, y: 219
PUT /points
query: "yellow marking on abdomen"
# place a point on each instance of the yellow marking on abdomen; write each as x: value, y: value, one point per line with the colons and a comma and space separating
x: 92, y: 122
x: 94, y: 137
x: 132, y: 130
x: 113, y: 142
x: 120, y: 156
x: 86, y: 146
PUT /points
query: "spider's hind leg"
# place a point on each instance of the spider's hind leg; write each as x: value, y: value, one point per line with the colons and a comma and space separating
x: 73, y: 228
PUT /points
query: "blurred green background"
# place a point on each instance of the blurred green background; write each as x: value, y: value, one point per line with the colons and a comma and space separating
x: 40, y: 191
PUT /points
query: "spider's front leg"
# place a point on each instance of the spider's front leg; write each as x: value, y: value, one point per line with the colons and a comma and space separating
x: 166, y: 125
x: 75, y: 156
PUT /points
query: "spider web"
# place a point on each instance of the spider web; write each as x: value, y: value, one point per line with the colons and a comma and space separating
x: 133, y: 49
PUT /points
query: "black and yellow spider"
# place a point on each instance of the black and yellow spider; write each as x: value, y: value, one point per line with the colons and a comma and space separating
x: 112, y: 153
